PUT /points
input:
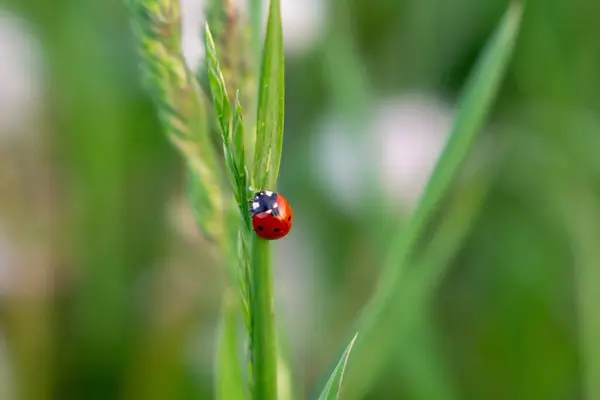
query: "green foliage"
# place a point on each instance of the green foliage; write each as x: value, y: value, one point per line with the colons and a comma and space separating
x: 218, y: 89
x: 267, y: 156
x: 231, y: 33
x: 232, y: 134
x: 255, y: 276
x: 333, y: 387
x: 474, y: 106
x: 110, y: 275
x: 584, y: 231
x: 229, y: 380
x: 180, y: 104
x: 271, y: 95
x: 254, y: 267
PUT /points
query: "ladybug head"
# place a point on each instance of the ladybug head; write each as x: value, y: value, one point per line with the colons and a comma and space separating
x: 263, y: 201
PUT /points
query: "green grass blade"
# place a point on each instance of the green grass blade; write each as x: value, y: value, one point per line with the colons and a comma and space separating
x: 233, y: 137
x: 239, y: 137
x: 240, y: 182
x: 232, y: 129
x: 581, y: 222
x: 229, y: 380
x: 392, y: 334
x: 269, y: 122
x: 217, y: 87
x: 481, y: 88
x: 333, y: 387
x: 474, y: 106
x: 475, y: 103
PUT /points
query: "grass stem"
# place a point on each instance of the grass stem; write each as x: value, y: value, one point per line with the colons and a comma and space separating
x: 264, y: 352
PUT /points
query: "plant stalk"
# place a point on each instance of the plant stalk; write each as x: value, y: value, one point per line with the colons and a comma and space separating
x: 264, y: 352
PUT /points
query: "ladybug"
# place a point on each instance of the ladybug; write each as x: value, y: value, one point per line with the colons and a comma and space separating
x: 271, y: 215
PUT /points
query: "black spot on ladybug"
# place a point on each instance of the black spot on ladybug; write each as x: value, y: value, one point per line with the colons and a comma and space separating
x: 276, y: 230
x: 260, y: 228
x: 290, y: 219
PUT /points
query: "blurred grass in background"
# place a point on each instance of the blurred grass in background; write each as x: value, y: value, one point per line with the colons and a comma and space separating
x: 108, y: 291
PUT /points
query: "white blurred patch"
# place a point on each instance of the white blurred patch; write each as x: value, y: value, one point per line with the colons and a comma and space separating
x: 192, y: 25
x: 405, y: 138
x: 303, y: 23
x: 20, y: 75
x: 411, y: 133
x: 338, y: 162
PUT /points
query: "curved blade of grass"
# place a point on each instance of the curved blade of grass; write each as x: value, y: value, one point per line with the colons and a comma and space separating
x: 333, y: 387
x: 229, y: 380
x: 475, y: 103
x: 269, y: 120
x: 392, y: 335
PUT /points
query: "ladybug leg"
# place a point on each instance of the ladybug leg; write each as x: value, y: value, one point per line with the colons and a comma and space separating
x: 275, y: 210
x: 255, y: 206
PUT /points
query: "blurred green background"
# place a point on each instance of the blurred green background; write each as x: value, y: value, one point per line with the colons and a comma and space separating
x: 108, y: 290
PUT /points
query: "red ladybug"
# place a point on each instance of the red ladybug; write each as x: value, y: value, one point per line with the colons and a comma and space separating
x: 271, y: 215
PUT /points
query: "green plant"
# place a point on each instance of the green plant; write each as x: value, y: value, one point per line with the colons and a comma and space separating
x: 182, y: 108
x: 181, y: 105
x: 397, y: 281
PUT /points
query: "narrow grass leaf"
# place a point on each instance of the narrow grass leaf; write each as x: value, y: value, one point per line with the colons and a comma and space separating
x: 475, y: 103
x: 238, y: 134
x: 232, y: 129
x: 229, y: 379
x: 217, y: 86
x: 428, y: 268
x: 333, y: 387
x: 269, y: 121
x: 241, y: 186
